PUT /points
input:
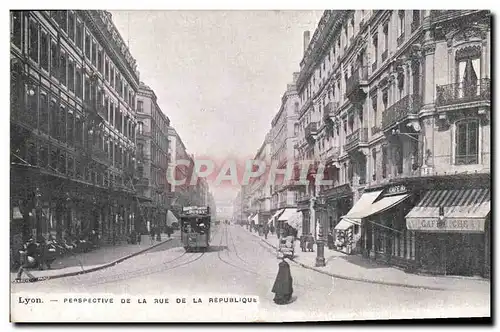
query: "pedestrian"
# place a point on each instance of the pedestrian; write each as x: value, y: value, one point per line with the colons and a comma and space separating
x: 310, y: 243
x: 283, y: 288
x: 28, y: 261
x: 330, y: 240
x: 158, y: 234
x: 152, y: 234
x: 266, y: 231
x: 303, y: 241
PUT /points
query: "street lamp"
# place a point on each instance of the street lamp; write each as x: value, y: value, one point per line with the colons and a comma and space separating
x: 320, y: 244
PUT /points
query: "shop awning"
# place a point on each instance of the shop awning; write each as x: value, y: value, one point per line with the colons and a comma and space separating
x: 287, y: 214
x: 343, y: 225
x: 360, y: 208
x: 171, y: 218
x: 295, y: 220
x: 277, y: 214
x: 464, y: 211
x: 255, y: 218
x: 385, y: 203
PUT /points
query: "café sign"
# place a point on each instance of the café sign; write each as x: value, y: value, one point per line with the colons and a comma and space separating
x: 452, y: 225
x: 396, y: 190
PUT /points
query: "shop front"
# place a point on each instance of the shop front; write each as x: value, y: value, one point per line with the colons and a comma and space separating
x: 347, y: 230
x: 290, y: 216
x: 452, y: 228
x: 338, y: 203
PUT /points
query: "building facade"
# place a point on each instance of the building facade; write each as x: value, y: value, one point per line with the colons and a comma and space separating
x: 152, y: 157
x: 182, y: 163
x: 259, y: 190
x: 283, y: 141
x: 73, y: 93
x: 396, y: 103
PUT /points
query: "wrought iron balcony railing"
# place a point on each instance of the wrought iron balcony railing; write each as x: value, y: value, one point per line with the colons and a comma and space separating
x: 375, y: 130
x: 311, y: 130
x: 144, y: 134
x: 358, y: 137
x: 415, y: 25
x: 384, y: 55
x: 401, y: 39
x: 354, y: 82
x: 459, y: 93
x: 409, y: 104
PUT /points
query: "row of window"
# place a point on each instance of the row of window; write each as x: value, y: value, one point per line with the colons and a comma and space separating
x: 62, y: 122
x: 58, y: 161
x: 346, y: 38
x: 52, y: 56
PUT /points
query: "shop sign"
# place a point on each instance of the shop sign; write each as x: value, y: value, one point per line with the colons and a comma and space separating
x: 446, y: 225
x: 396, y: 190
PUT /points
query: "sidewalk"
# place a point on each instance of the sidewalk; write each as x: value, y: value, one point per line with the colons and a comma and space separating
x: 357, y: 268
x: 103, y: 257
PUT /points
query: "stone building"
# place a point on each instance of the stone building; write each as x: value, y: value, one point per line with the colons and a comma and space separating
x: 152, y: 157
x: 73, y: 94
x: 396, y: 103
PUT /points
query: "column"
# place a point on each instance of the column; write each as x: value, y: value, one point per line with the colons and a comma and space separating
x: 429, y: 86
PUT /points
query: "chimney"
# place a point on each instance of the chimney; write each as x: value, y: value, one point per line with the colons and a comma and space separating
x: 307, y: 38
x: 295, y: 77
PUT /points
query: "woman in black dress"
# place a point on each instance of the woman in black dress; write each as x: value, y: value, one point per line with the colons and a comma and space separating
x: 282, y: 287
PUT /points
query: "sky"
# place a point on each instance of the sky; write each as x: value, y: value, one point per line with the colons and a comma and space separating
x: 218, y: 75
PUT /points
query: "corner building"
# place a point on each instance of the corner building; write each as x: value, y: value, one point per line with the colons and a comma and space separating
x: 73, y: 90
x: 397, y: 104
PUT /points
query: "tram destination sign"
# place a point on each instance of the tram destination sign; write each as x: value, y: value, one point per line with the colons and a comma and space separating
x: 195, y: 210
x: 446, y: 225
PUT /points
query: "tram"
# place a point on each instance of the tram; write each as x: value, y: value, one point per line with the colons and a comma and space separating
x: 195, y: 228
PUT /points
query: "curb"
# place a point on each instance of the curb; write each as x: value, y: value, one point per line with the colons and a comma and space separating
x: 360, y: 279
x: 97, y: 268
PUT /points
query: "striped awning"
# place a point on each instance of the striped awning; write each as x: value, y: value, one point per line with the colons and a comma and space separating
x: 464, y: 210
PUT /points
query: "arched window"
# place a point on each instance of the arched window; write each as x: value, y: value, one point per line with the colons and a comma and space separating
x: 140, y: 128
x: 467, y: 142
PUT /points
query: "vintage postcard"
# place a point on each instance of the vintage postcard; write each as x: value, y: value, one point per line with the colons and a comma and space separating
x: 249, y: 166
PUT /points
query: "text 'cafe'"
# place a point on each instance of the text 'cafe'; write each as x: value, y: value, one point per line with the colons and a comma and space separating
x: 430, y: 226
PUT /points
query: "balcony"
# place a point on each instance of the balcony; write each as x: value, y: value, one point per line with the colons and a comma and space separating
x: 337, y: 191
x: 143, y: 134
x: 355, y: 83
x: 415, y: 25
x: 143, y: 182
x: 329, y: 111
x: 463, y: 93
x: 332, y: 154
x: 375, y: 130
x: 100, y: 156
x: 311, y: 130
x: 400, y: 110
x: 401, y: 39
x: 444, y: 15
x: 384, y: 55
x: 357, y: 139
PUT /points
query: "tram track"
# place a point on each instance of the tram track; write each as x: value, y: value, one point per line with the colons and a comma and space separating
x: 128, y: 275
x: 226, y: 232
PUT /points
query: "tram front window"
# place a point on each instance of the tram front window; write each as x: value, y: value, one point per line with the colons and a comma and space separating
x: 198, y: 225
